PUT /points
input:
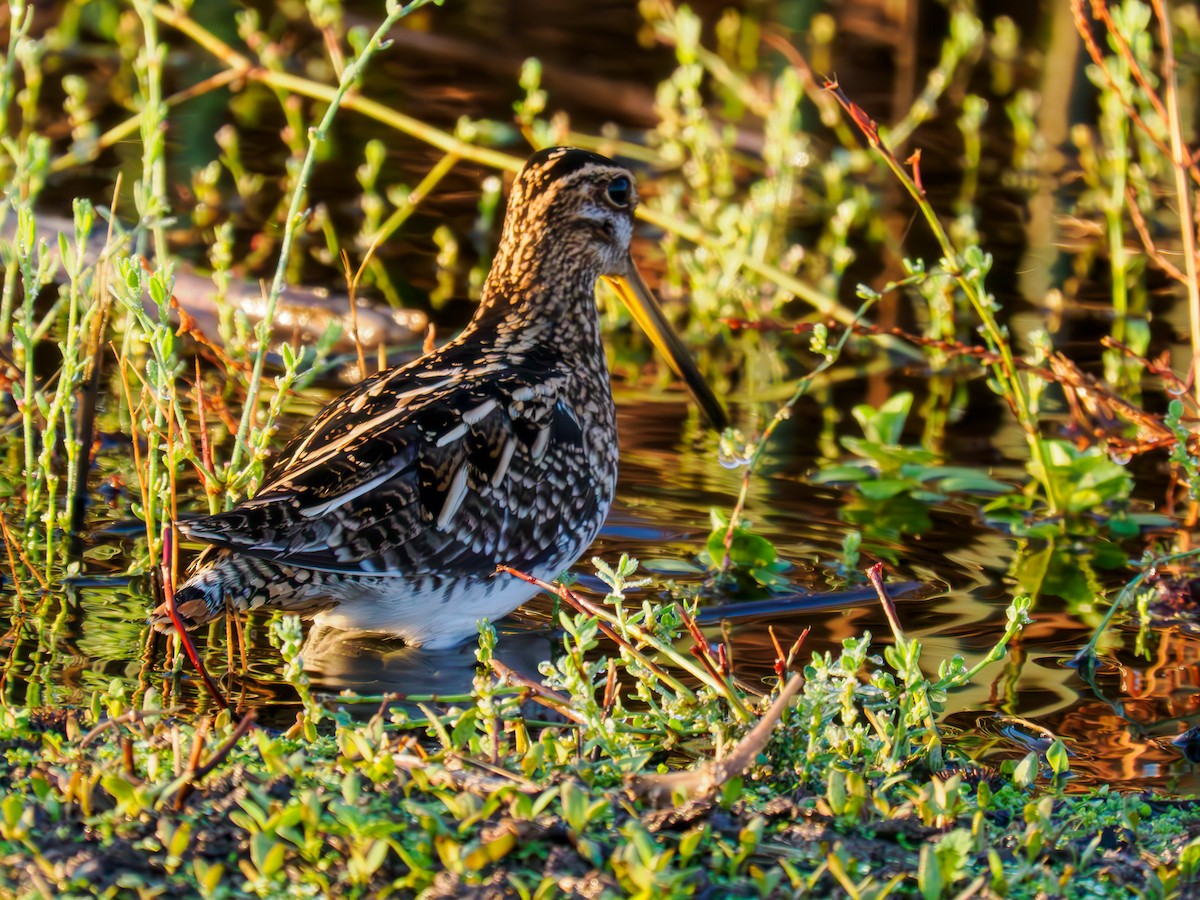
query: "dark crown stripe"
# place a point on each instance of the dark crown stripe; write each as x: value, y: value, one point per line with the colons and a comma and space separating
x: 558, y: 162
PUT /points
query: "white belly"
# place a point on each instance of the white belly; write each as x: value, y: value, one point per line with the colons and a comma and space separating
x: 434, y: 617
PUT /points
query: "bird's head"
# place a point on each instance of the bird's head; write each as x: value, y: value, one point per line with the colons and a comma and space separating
x: 578, y: 200
x: 569, y: 221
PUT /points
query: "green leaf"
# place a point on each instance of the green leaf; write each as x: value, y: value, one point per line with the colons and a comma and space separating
x: 376, y: 855
x: 884, y: 488
x: 973, y: 484
x: 1056, y: 756
x: 464, y: 727
x: 1189, y: 859
x: 746, y: 550
x: 1123, y: 527
x: 1151, y: 520
x: 930, y: 497
x: 267, y: 853
x: 840, y: 473
x: 884, y: 425
x: 1026, y: 771
x: 666, y: 566
x: 574, y: 806
x: 929, y: 874
x: 865, y: 448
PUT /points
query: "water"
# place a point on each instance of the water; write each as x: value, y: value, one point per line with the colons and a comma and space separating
x: 957, y: 590
x: 953, y: 575
x: 960, y: 573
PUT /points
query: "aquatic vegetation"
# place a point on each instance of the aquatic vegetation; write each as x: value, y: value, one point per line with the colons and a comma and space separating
x: 737, y: 550
x: 888, y: 468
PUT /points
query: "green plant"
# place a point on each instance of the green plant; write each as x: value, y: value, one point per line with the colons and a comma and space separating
x: 886, y: 468
x: 287, y: 636
x: 1137, y: 151
x: 738, y: 551
x: 1090, y: 486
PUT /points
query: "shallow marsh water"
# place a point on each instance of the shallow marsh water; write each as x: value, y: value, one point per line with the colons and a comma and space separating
x: 954, y: 585
x: 960, y: 574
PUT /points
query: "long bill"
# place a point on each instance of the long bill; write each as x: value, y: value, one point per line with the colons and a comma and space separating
x: 635, y: 294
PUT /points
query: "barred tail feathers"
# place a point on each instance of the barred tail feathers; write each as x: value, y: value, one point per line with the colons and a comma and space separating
x: 223, y: 581
x: 205, y: 595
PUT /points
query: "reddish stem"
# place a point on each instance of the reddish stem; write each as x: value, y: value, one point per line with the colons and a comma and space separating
x: 575, y: 601
x: 181, y: 632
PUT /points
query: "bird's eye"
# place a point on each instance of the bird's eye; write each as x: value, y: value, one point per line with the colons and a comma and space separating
x: 618, y: 191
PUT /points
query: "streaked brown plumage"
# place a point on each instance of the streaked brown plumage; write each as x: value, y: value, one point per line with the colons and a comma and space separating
x: 392, y: 508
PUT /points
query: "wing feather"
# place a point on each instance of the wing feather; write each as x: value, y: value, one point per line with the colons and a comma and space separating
x: 408, y: 473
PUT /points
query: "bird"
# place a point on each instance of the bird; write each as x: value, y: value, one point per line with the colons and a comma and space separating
x: 391, y: 509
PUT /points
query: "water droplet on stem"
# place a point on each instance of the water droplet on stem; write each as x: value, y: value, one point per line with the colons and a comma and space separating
x: 734, y: 450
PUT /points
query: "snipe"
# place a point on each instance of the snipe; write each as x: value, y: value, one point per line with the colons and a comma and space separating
x: 392, y: 508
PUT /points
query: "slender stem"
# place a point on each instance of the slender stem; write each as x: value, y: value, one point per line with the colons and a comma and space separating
x: 1005, y: 367
x: 181, y: 632
x: 606, y: 623
x: 782, y: 415
x: 153, y: 189
x: 10, y: 543
x: 28, y: 401
x: 1180, y: 160
x: 822, y: 303
x: 994, y: 655
x: 82, y: 153
x: 908, y: 667
x: 123, y: 369
x: 20, y: 20
x: 1127, y: 592
x: 378, y: 111
x: 647, y: 638
x: 1083, y: 26
x: 875, y: 576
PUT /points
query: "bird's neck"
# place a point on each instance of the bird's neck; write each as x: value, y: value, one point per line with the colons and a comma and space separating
x: 541, y: 299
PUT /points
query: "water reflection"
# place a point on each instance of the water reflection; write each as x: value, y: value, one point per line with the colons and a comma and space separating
x: 1114, y: 726
x: 366, y: 664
